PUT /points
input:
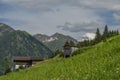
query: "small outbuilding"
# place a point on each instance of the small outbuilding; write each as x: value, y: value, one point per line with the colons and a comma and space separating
x: 25, y: 61
x: 69, y: 50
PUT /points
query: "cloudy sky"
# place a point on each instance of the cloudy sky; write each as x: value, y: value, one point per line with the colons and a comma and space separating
x: 71, y: 17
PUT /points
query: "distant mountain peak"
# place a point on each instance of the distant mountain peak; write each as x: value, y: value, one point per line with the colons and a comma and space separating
x: 1, y: 24
x: 40, y: 35
x: 4, y: 29
x: 4, y: 25
x: 57, y: 34
x: 56, y: 41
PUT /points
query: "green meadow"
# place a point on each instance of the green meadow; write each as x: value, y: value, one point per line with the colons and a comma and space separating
x: 99, y: 62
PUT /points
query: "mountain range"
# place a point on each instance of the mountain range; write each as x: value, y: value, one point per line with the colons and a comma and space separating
x: 20, y: 43
x: 54, y: 42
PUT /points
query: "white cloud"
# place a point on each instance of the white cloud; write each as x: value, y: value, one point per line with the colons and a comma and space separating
x: 37, y: 22
x: 81, y: 27
x: 106, y: 4
x: 89, y: 36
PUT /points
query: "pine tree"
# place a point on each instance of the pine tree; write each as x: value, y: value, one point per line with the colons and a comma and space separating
x: 98, y: 36
x: 105, y: 33
x: 7, y: 64
x: 72, y: 43
x: 117, y: 32
x: 67, y: 43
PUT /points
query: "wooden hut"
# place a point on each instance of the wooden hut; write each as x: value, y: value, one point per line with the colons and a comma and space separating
x: 25, y: 61
x: 69, y: 50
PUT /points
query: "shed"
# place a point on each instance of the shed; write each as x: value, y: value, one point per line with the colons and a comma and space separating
x: 69, y: 50
x: 25, y: 61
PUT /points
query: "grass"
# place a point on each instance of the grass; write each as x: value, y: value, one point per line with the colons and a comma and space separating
x: 101, y: 62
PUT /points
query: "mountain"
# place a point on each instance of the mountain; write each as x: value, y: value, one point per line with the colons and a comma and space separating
x: 54, y: 42
x: 99, y: 62
x: 5, y: 29
x: 20, y: 43
x: 42, y: 37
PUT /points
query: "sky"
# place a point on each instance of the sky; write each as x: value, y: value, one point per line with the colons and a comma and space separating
x: 76, y: 18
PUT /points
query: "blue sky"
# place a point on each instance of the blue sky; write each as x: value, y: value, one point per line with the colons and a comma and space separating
x: 76, y: 18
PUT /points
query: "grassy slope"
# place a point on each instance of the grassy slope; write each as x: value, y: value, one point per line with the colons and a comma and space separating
x: 102, y: 62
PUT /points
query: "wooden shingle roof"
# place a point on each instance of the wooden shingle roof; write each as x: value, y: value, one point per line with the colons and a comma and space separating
x: 20, y: 58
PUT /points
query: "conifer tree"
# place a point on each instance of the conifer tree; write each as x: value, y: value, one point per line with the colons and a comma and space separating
x: 72, y: 43
x: 98, y: 36
x: 67, y: 43
x: 7, y: 65
x: 105, y: 33
x: 117, y: 32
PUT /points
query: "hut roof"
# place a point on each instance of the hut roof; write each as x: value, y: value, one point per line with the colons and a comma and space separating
x: 26, y: 58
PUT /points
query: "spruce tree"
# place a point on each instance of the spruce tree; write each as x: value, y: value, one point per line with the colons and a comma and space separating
x: 105, y: 33
x: 7, y: 64
x: 72, y: 43
x: 98, y: 36
x: 66, y: 44
x: 117, y: 32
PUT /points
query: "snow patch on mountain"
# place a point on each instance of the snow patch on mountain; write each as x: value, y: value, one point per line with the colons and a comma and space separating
x: 51, y: 39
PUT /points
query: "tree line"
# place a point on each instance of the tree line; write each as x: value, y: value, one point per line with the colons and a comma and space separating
x: 99, y: 37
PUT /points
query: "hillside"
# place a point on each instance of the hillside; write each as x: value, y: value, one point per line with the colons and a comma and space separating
x: 5, y: 29
x: 100, y: 62
x: 54, y: 42
x: 20, y: 43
